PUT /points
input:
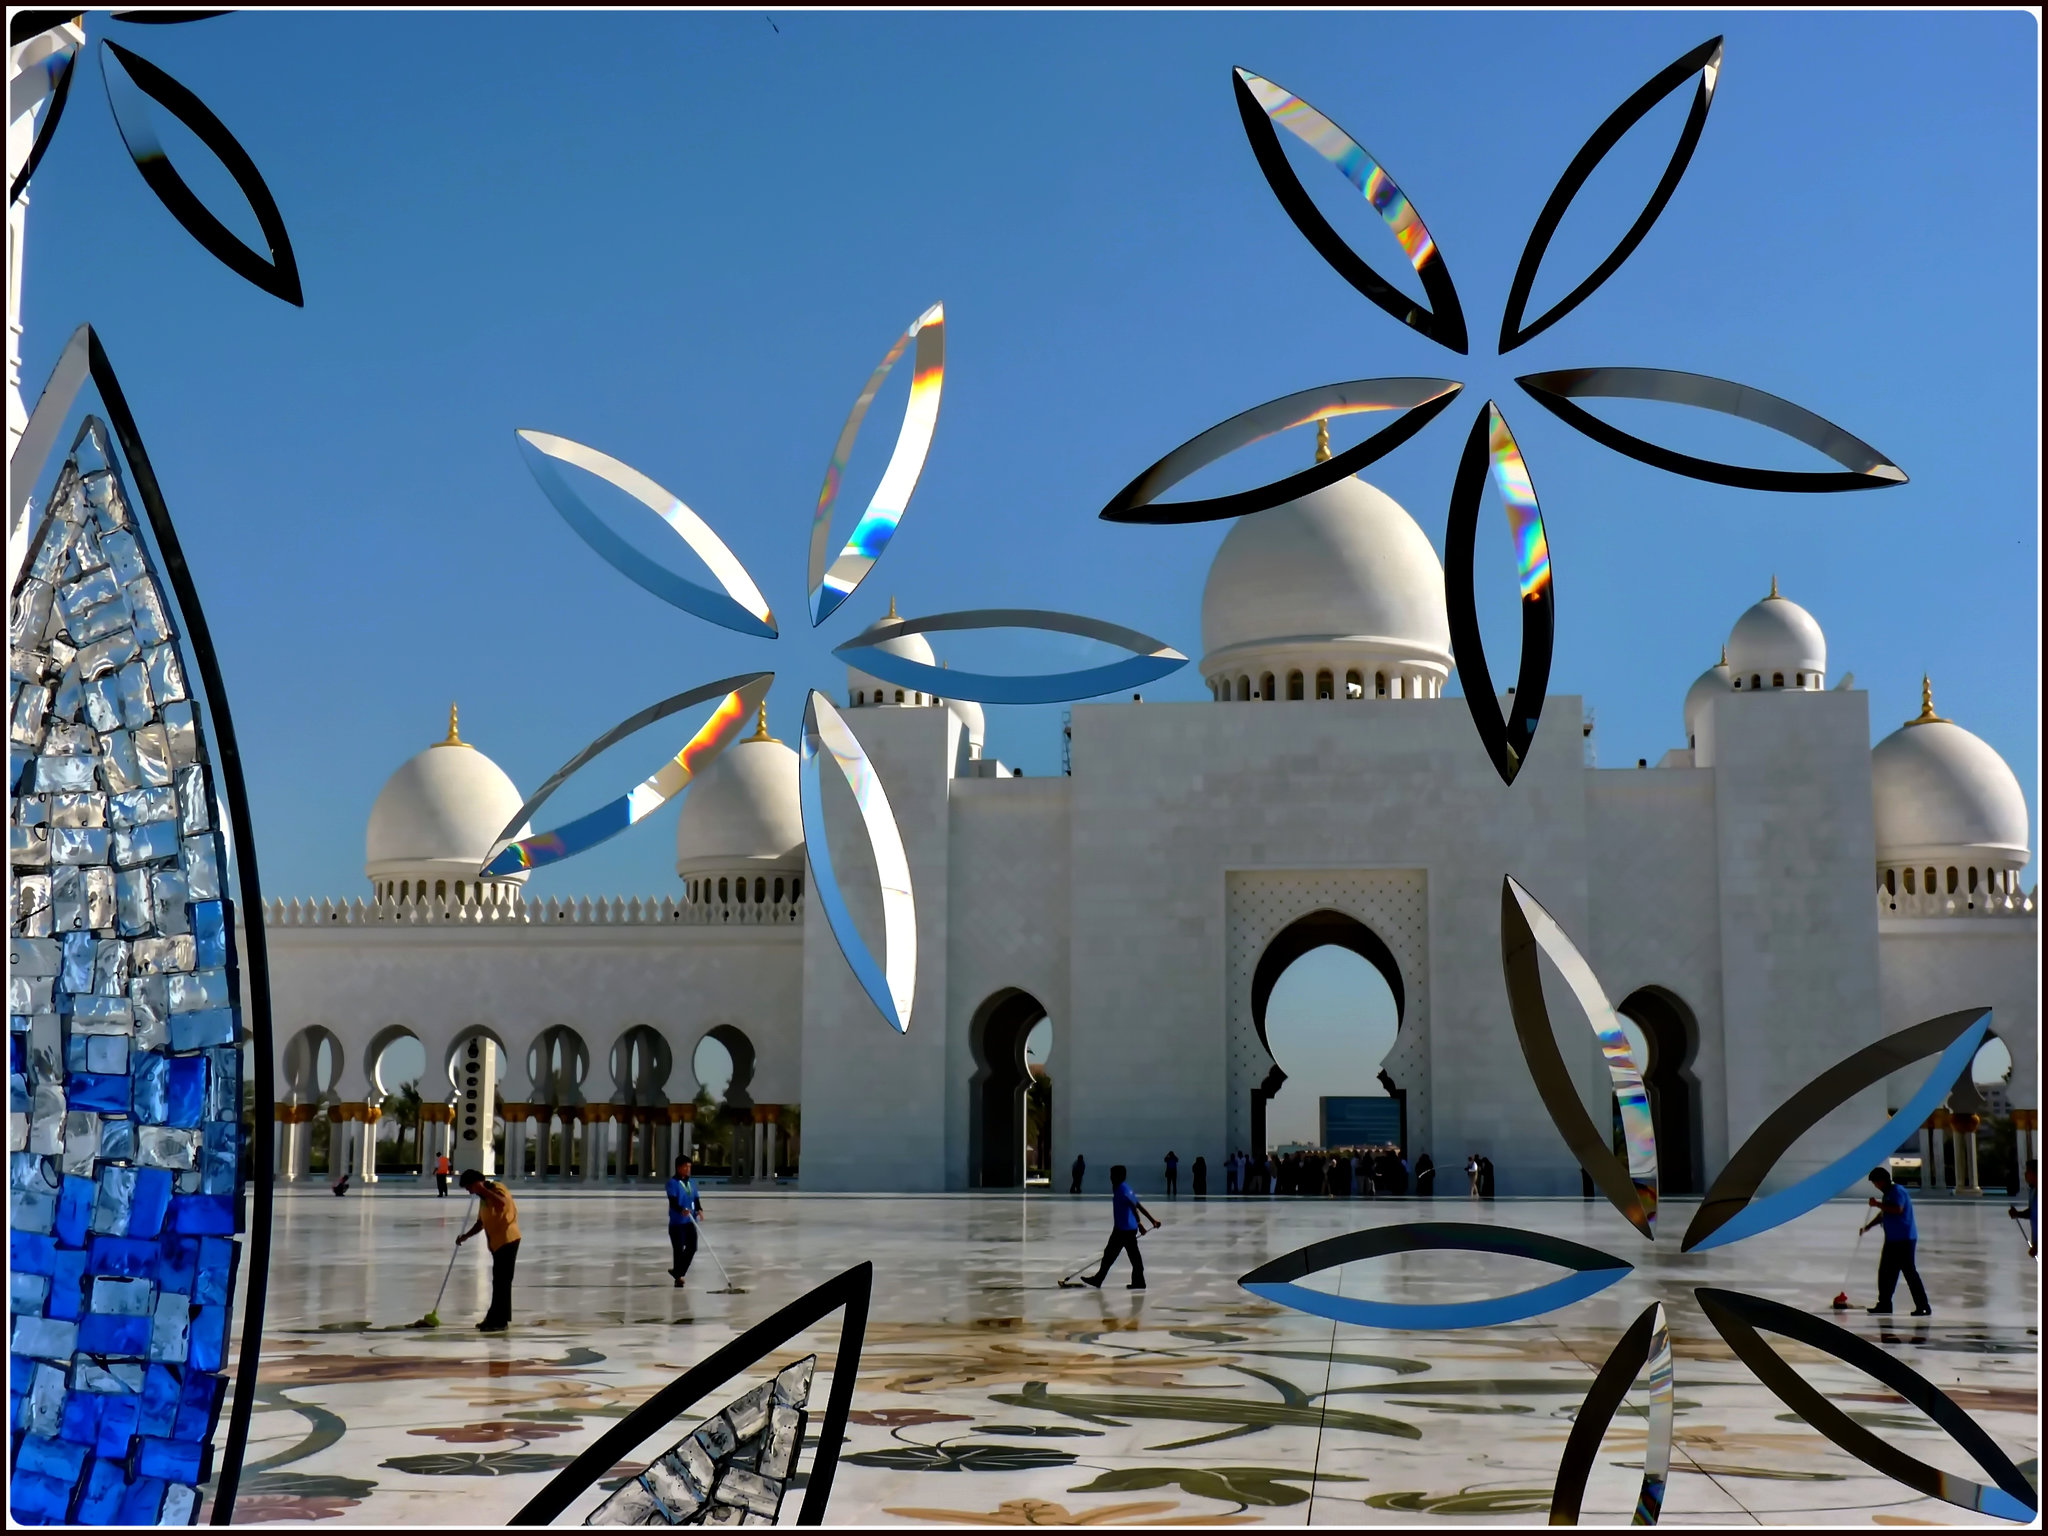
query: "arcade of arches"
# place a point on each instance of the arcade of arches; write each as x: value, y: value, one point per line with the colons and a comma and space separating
x: 619, y: 1113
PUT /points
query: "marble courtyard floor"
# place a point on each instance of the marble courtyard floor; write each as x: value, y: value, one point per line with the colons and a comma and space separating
x: 987, y: 1395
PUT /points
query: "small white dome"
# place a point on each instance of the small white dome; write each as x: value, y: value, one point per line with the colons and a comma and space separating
x: 973, y: 724
x: 744, y: 809
x: 440, y: 814
x: 863, y: 689
x: 1341, y: 572
x: 1777, y: 639
x: 1715, y: 680
x: 1944, y: 796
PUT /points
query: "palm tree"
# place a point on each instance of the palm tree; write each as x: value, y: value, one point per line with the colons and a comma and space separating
x: 405, y: 1108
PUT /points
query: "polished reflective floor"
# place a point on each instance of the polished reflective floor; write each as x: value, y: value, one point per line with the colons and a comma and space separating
x: 989, y: 1395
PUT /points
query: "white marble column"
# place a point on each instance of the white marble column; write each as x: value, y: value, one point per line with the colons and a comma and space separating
x: 515, y: 1149
x: 768, y: 1167
x: 1926, y: 1158
x: 366, y: 1154
x: 1966, y: 1168
x: 760, y: 1168
x: 1938, y: 1139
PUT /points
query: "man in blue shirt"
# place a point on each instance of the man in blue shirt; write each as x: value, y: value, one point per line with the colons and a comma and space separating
x: 1901, y: 1237
x: 2033, y: 1211
x: 1125, y: 1225
x: 685, y: 1210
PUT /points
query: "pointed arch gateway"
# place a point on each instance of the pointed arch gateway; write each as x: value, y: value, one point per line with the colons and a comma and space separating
x: 997, y: 1090
x: 1322, y: 928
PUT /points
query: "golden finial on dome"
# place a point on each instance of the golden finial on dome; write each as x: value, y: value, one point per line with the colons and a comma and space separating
x: 1323, y: 440
x: 1927, y: 716
x: 1724, y: 655
x: 454, y: 736
x: 891, y: 614
x: 761, y: 724
x: 1774, y: 586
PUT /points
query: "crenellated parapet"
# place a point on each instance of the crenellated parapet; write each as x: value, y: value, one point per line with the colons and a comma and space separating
x: 501, y: 910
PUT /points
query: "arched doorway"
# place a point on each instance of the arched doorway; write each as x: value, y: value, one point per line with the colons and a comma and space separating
x: 1326, y: 928
x: 641, y: 1062
x: 312, y: 1073
x: 997, y: 1091
x: 1665, y: 1032
x: 398, y: 1064
x: 557, y: 1065
x: 723, y: 1065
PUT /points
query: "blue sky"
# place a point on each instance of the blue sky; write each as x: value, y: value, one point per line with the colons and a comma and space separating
x: 685, y: 239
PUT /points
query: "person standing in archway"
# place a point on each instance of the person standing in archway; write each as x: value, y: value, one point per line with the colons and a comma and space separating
x: 1080, y: 1171
x: 1425, y: 1178
x: 1126, y: 1222
x: 1472, y: 1175
x: 685, y: 1210
x: 1172, y: 1174
x: 441, y: 1175
x: 498, y: 1219
x: 1201, y: 1177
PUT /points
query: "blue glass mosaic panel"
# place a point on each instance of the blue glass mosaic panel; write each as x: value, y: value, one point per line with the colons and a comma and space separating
x: 124, y: 996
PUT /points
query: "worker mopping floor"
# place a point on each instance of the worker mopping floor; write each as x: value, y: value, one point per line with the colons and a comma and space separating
x: 1841, y: 1302
x: 433, y: 1317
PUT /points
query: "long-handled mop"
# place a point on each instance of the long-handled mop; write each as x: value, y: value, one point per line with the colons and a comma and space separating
x: 433, y: 1317
x: 730, y: 1288
x: 1841, y: 1301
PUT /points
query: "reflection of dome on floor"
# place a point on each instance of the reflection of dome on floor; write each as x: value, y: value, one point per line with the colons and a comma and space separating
x: 1337, y: 588
x: 437, y: 820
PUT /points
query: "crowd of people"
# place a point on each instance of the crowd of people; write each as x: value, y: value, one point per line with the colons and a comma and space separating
x: 1338, y: 1173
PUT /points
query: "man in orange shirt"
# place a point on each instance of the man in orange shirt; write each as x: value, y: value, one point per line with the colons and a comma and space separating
x: 441, y: 1174
x: 498, y: 1219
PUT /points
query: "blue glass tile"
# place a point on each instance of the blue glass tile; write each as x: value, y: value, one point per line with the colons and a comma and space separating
x: 117, y: 1296
x: 82, y: 1418
x: 38, y: 1499
x: 31, y: 1212
x: 98, y: 1091
x: 117, y: 1425
x: 43, y: 1338
x: 159, y: 1406
x: 27, y: 1293
x: 116, y: 1338
x: 17, y: 1080
x: 207, y: 1339
x: 76, y: 974
x: 45, y: 1402
x: 100, y: 1504
x: 143, y: 1502
x: 67, y: 1283
x: 74, y: 1054
x: 176, y: 1460
x: 94, y: 1005
x: 199, y: 1406
x: 181, y: 1501
x: 74, y: 1210
x: 117, y: 1139
x: 151, y: 1077
x: 145, y: 844
x: 196, y: 1031
x: 63, y: 1460
x: 224, y: 1085
x: 203, y: 1213
x: 114, y: 1201
x: 122, y: 1256
x: 170, y: 1329
x: 152, y: 1199
x: 106, y: 1053
x: 210, y: 933
x: 194, y: 991
x: 184, y: 1090
x: 217, y: 1258
x: 220, y: 1159
x: 117, y: 1377
x: 179, y: 1264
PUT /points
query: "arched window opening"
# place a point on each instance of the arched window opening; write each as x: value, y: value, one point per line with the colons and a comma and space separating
x: 1951, y: 879
x: 778, y: 890
x: 1909, y: 883
x: 1973, y: 879
x: 440, y: 890
x: 1354, y: 684
x: 1379, y: 685
x: 1326, y: 685
x: 1755, y: 681
x: 1891, y: 882
x: 405, y: 890
x: 1931, y: 888
x: 760, y: 889
x: 1294, y: 685
x: 1799, y: 678
x: 458, y: 892
x: 723, y: 889
x: 1777, y: 679
x: 1267, y: 691
x: 899, y: 695
x: 1244, y: 687
x: 796, y: 889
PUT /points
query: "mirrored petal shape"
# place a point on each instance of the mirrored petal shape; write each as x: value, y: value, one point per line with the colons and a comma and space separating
x: 129, y: 79
x: 166, y: 18
x: 1738, y: 1317
x: 852, y: 1289
x: 1731, y: 1211
x: 740, y: 606
x: 738, y: 698
x: 58, y: 65
x: 1705, y: 61
x: 32, y: 451
x: 1492, y: 447
x: 877, y: 525
x: 1526, y: 928
x: 1261, y: 104
x: 890, y: 985
x: 1644, y: 1350
x: 1154, y: 660
x: 1421, y: 401
x: 1863, y: 467
x: 1592, y: 1271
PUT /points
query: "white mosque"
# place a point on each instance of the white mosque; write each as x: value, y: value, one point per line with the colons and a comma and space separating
x: 1771, y: 895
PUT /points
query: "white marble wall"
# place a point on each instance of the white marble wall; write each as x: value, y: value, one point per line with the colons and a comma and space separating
x: 1934, y: 965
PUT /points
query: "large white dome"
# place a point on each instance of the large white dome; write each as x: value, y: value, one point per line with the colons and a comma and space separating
x: 863, y: 689
x: 439, y: 815
x: 1777, y: 644
x: 1942, y: 795
x: 1341, y: 574
x: 744, y: 810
